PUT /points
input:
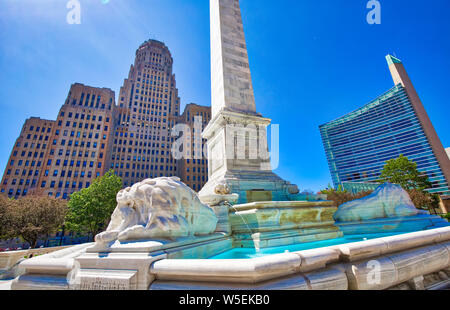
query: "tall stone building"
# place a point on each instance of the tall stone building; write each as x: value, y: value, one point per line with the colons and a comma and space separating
x: 57, y: 158
x: 148, y: 100
x: 193, y: 169
x: 28, y: 157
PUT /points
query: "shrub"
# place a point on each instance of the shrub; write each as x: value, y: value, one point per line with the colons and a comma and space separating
x: 340, y: 197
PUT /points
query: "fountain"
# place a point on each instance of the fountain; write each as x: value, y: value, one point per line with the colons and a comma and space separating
x: 163, y: 236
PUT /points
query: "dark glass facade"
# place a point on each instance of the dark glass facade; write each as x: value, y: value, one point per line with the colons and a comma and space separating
x: 358, y: 144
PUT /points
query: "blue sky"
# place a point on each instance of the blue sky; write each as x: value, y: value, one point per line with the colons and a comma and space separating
x: 311, y: 61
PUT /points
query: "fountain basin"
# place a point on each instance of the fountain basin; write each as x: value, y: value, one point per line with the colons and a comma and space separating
x: 275, y: 223
x: 414, y: 260
x: 260, y: 245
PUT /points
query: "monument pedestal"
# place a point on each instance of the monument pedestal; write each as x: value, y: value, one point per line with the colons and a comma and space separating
x: 240, y: 161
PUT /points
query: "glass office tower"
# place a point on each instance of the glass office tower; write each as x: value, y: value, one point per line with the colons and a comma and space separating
x: 358, y: 144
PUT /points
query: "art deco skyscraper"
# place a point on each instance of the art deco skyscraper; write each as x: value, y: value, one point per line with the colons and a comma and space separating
x: 148, y: 102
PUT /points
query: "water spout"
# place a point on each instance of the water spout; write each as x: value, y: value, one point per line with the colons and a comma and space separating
x: 251, y: 232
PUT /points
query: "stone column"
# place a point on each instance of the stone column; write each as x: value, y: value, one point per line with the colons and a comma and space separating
x: 231, y: 83
x: 237, y: 138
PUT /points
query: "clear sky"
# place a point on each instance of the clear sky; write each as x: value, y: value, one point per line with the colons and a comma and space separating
x: 311, y: 61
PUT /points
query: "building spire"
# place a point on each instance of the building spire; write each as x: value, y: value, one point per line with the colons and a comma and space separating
x: 400, y: 76
x: 392, y: 60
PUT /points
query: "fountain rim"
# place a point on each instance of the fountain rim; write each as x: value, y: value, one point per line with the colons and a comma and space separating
x: 260, y: 205
x: 269, y: 267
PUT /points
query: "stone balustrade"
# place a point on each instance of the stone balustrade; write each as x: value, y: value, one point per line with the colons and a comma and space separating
x: 49, y: 271
x: 10, y: 258
x: 368, y: 265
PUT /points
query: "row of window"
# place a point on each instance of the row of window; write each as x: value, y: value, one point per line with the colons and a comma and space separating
x: 198, y: 170
x: 141, y: 151
x: 86, y: 126
x: 88, y: 117
x: 38, y: 129
x: 71, y: 163
x: 26, y: 182
x: 147, y: 167
x: 93, y: 103
x: 195, y: 178
x: 67, y: 184
x: 196, y: 161
x: 30, y: 154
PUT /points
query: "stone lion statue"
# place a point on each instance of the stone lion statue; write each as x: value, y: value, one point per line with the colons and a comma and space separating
x: 158, y: 208
x: 387, y: 201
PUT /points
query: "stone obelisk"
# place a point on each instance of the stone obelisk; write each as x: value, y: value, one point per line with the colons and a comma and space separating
x: 238, y: 154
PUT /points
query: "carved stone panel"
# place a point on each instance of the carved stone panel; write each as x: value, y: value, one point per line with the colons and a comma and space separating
x: 100, y: 279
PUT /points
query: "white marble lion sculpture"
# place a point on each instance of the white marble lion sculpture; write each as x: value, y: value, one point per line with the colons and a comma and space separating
x: 387, y: 201
x: 158, y: 209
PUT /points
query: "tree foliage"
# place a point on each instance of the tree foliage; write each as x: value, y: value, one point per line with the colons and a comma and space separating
x: 5, y: 218
x: 90, y: 209
x: 404, y: 172
x: 423, y: 200
x: 36, y: 217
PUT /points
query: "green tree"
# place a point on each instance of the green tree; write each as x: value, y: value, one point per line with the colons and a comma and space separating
x: 90, y: 209
x: 5, y: 218
x: 404, y: 172
x: 35, y: 217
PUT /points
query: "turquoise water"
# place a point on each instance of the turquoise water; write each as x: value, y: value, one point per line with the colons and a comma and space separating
x: 242, y: 253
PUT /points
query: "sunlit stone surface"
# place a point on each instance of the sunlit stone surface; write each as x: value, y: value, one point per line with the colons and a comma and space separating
x: 231, y: 83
